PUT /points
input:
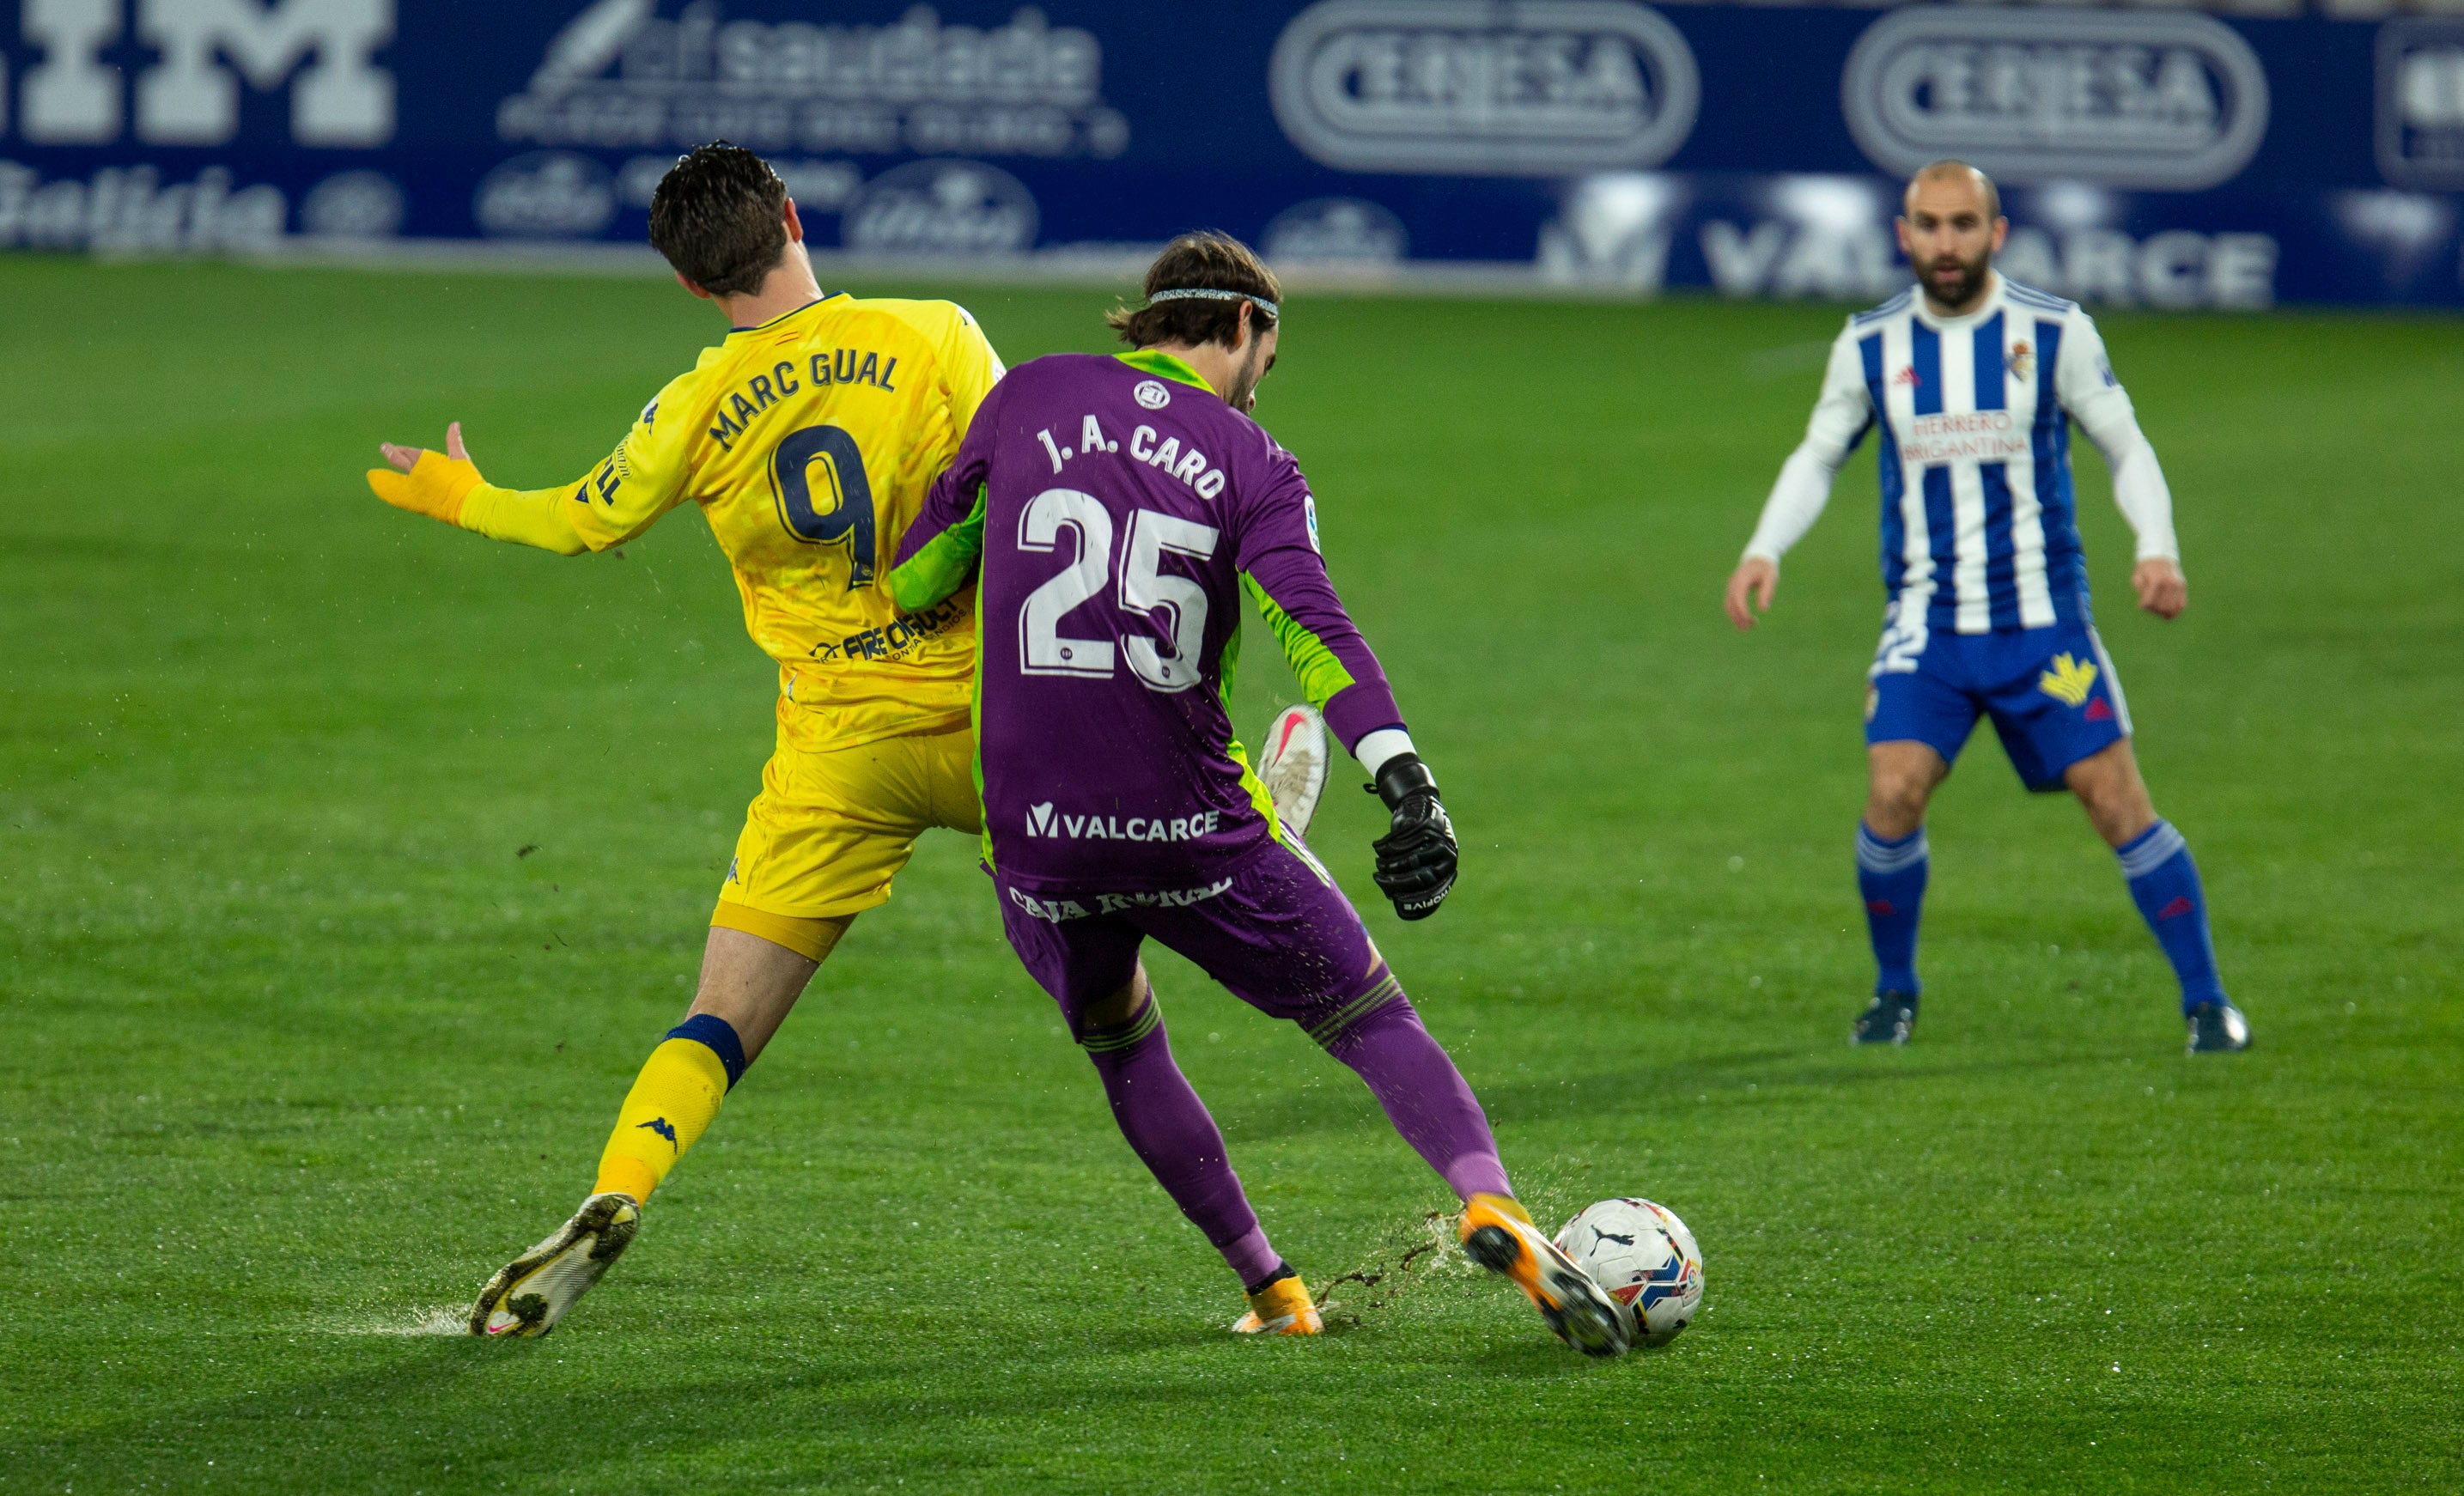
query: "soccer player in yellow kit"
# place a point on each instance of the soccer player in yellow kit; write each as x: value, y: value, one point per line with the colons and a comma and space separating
x: 808, y: 438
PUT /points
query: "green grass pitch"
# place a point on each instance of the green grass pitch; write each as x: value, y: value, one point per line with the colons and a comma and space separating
x: 349, y: 866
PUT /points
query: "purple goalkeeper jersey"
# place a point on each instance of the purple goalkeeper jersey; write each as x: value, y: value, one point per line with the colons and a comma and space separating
x: 1117, y: 509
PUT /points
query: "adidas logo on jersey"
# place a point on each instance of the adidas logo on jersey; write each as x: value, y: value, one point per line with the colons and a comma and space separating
x: 2069, y: 681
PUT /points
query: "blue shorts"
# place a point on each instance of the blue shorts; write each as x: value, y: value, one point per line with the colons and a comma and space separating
x: 2051, y: 692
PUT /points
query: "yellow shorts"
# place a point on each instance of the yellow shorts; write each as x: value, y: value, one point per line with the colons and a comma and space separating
x: 830, y: 829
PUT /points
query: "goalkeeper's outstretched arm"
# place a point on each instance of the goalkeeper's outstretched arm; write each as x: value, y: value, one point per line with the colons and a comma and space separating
x: 1284, y: 574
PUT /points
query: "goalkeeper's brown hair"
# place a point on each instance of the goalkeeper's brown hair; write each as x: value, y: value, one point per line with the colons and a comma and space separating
x: 718, y: 216
x: 1201, y: 261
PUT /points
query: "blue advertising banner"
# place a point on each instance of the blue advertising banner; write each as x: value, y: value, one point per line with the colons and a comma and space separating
x: 2162, y: 157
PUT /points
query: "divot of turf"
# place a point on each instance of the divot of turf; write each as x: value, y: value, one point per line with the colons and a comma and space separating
x: 1416, y: 1253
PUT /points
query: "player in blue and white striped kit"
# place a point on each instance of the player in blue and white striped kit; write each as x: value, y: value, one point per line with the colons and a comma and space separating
x: 1970, y: 384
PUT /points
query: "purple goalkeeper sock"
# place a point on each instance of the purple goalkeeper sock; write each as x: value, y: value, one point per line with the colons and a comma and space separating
x: 1171, y: 1132
x: 1424, y: 1095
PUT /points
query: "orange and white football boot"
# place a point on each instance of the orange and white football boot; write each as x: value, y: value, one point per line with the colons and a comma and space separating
x: 1281, y: 1308
x: 1498, y: 1234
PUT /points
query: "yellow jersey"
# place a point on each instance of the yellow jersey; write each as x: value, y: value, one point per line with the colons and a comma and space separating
x: 808, y: 442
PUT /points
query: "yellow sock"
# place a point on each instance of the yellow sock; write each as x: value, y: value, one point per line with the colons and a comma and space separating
x: 670, y: 1105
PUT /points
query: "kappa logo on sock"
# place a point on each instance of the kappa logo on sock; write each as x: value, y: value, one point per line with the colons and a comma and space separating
x: 663, y: 1127
x: 2180, y: 906
x: 1880, y: 908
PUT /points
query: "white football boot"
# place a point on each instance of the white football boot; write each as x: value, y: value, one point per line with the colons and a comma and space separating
x: 529, y: 1294
x: 1293, y: 768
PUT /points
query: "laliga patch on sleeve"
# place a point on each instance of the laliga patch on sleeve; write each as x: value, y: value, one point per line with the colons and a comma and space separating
x: 1309, y: 509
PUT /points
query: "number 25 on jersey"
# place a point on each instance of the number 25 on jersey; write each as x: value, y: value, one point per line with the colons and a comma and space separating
x: 1144, y: 588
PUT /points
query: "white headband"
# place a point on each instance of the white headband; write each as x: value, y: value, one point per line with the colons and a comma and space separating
x: 1187, y: 292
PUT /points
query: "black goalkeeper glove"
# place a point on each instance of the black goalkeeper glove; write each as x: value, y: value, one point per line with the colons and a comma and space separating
x: 1415, y: 857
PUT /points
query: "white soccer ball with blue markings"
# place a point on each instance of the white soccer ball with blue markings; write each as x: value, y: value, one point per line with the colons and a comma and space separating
x: 1645, y: 1258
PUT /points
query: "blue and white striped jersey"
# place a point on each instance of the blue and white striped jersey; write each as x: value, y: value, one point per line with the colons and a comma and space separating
x: 1979, y: 517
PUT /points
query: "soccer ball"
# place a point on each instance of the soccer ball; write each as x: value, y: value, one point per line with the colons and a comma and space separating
x: 1646, y: 1259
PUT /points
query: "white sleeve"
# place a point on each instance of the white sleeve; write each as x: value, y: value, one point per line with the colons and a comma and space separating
x: 1839, y: 421
x: 1374, y: 748
x: 2083, y: 382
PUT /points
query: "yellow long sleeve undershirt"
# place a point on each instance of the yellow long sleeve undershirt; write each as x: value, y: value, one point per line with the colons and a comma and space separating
x: 535, y: 518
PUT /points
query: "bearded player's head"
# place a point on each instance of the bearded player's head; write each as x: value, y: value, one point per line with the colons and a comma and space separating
x: 1951, y: 227
x: 1213, y: 304
x: 724, y: 222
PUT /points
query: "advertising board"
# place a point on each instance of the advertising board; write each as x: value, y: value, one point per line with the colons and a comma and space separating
x: 2169, y: 159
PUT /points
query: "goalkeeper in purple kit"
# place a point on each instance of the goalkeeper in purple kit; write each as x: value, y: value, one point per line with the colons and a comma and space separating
x: 1111, y: 512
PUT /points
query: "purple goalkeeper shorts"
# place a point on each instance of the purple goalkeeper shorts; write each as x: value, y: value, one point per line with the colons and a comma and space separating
x: 1273, y: 929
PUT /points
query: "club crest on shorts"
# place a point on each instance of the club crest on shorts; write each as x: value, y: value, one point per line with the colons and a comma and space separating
x: 2069, y: 681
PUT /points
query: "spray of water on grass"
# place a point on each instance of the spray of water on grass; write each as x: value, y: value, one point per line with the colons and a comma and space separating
x: 446, y: 1320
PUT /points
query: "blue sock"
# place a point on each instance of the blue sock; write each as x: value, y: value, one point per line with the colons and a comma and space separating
x: 1891, y: 875
x: 2164, y: 885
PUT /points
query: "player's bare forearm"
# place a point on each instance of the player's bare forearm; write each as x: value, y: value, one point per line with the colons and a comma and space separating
x: 1749, y: 589
x: 2163, y: 591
